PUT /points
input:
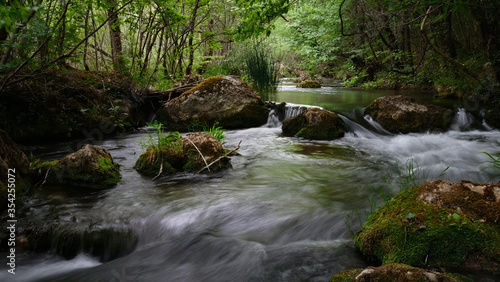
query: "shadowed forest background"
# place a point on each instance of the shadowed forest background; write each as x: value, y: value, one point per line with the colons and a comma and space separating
x: 375, y: 43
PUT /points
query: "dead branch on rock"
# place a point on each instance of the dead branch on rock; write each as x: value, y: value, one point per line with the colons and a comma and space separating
x: 220, y: 158
x: 198, y: 152
x: 161, y: 170
x: 179, y: 89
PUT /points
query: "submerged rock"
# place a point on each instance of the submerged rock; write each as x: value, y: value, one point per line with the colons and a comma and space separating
x: 91, y: 166
x: 14, y: 162
x: 68, y: 239
x: 440, y: 224
x: 309, y: 84
x: 191, y: 153
x: 400, y: 114
x: 315, y: 124
x: 224, y: 99
x: 396, y: 272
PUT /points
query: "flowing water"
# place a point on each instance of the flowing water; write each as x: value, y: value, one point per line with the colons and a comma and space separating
x: 278, y: 215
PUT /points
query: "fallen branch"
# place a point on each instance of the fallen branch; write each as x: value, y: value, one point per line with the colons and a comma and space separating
x: 43, y: 181
x: 220, y: 158
x: 182, y: 88
x: 198, y: 152
x: 160, y: 172
x: 440, y: 53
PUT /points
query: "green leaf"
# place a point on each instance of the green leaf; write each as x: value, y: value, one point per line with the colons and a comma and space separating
x: 410, y: 215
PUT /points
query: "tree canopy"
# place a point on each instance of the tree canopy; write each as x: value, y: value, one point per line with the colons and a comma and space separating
x: 425, y: 42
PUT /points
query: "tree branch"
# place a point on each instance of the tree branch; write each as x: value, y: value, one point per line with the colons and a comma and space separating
x: 220, y: 158
x: 440, y: 53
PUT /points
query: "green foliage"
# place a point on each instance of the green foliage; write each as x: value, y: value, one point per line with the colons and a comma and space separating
x: 261, y: 70
x: 215, y: 130
x: 162, y: 140
x: 494, y: 163
x: 257, y: 16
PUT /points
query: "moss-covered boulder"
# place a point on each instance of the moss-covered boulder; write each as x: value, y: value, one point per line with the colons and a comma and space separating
x: 224, y: 99
x: 13, y: 162
x: 315, y: 123
x: 440, y: 224
x: 396, y: 272
x: 91, y: 166
x: 400, y: 114
x: 189, y: 154
x: 309, y: 84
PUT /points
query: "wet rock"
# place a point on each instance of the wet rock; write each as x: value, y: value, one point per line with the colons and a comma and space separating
x: 11, y: 157
x: 309, y: 84
x: 191, y: 153
x: 492, y: 118
x: 396, y: 272
x: 224, y: 99
x: 315, y: 124
x: 68, y: 239
x: 440, y: 224
x: 91, y: 166
x: 446, y: 92
x: 400, y: 114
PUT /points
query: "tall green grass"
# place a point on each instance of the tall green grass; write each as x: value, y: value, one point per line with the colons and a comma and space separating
x: 407, y: 177
x: 261, y: 70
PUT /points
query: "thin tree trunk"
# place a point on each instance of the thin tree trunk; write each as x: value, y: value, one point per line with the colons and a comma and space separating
x: 115, y: 38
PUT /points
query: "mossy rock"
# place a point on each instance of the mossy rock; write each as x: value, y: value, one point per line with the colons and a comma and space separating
x: 316, y: 124
x: 169, y: 159
x: 13, y: 162
x: 183, y: 156
x: 70, y: 239
x: 396, y: 272
x: 401, y: 114
x: 309, y: 84
x: 492, y: 118
x: 92, y: 166
x: 225, y: 100
x: 439, y: 224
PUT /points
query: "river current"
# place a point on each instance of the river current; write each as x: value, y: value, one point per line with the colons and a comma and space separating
x: 279, y: 215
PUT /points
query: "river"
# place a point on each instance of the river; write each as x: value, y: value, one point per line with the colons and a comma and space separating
x: 279, y: 215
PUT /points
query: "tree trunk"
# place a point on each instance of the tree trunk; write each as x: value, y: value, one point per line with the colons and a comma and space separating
x: 189, y: 68
x: 115, y: 38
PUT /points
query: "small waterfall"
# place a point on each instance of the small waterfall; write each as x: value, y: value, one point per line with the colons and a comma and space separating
x: 484, y: 124
x: 357, y: 129
x: 273, y: 119
x: 282, y: 111
x: 463, y: 120
x: 292, y: 110
x: 377, y: 126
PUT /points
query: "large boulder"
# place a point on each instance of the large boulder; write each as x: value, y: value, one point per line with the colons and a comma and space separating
x: 315, y: 124
x: 401, y: 114
x: 224, y: 99
x: 396, y: 272
x: 441, y: 224
x: 91, y: 166
x: 189, y: 154
x: 14, y: 162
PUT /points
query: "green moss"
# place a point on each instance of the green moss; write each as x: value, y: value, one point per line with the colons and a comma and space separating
x: 150, y: 163
x: 309, y: 84
x: 207, y: 84
x: 109, y: 171
x: 346, y: 275
x: 106, y: 174
x: 406, y: 230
